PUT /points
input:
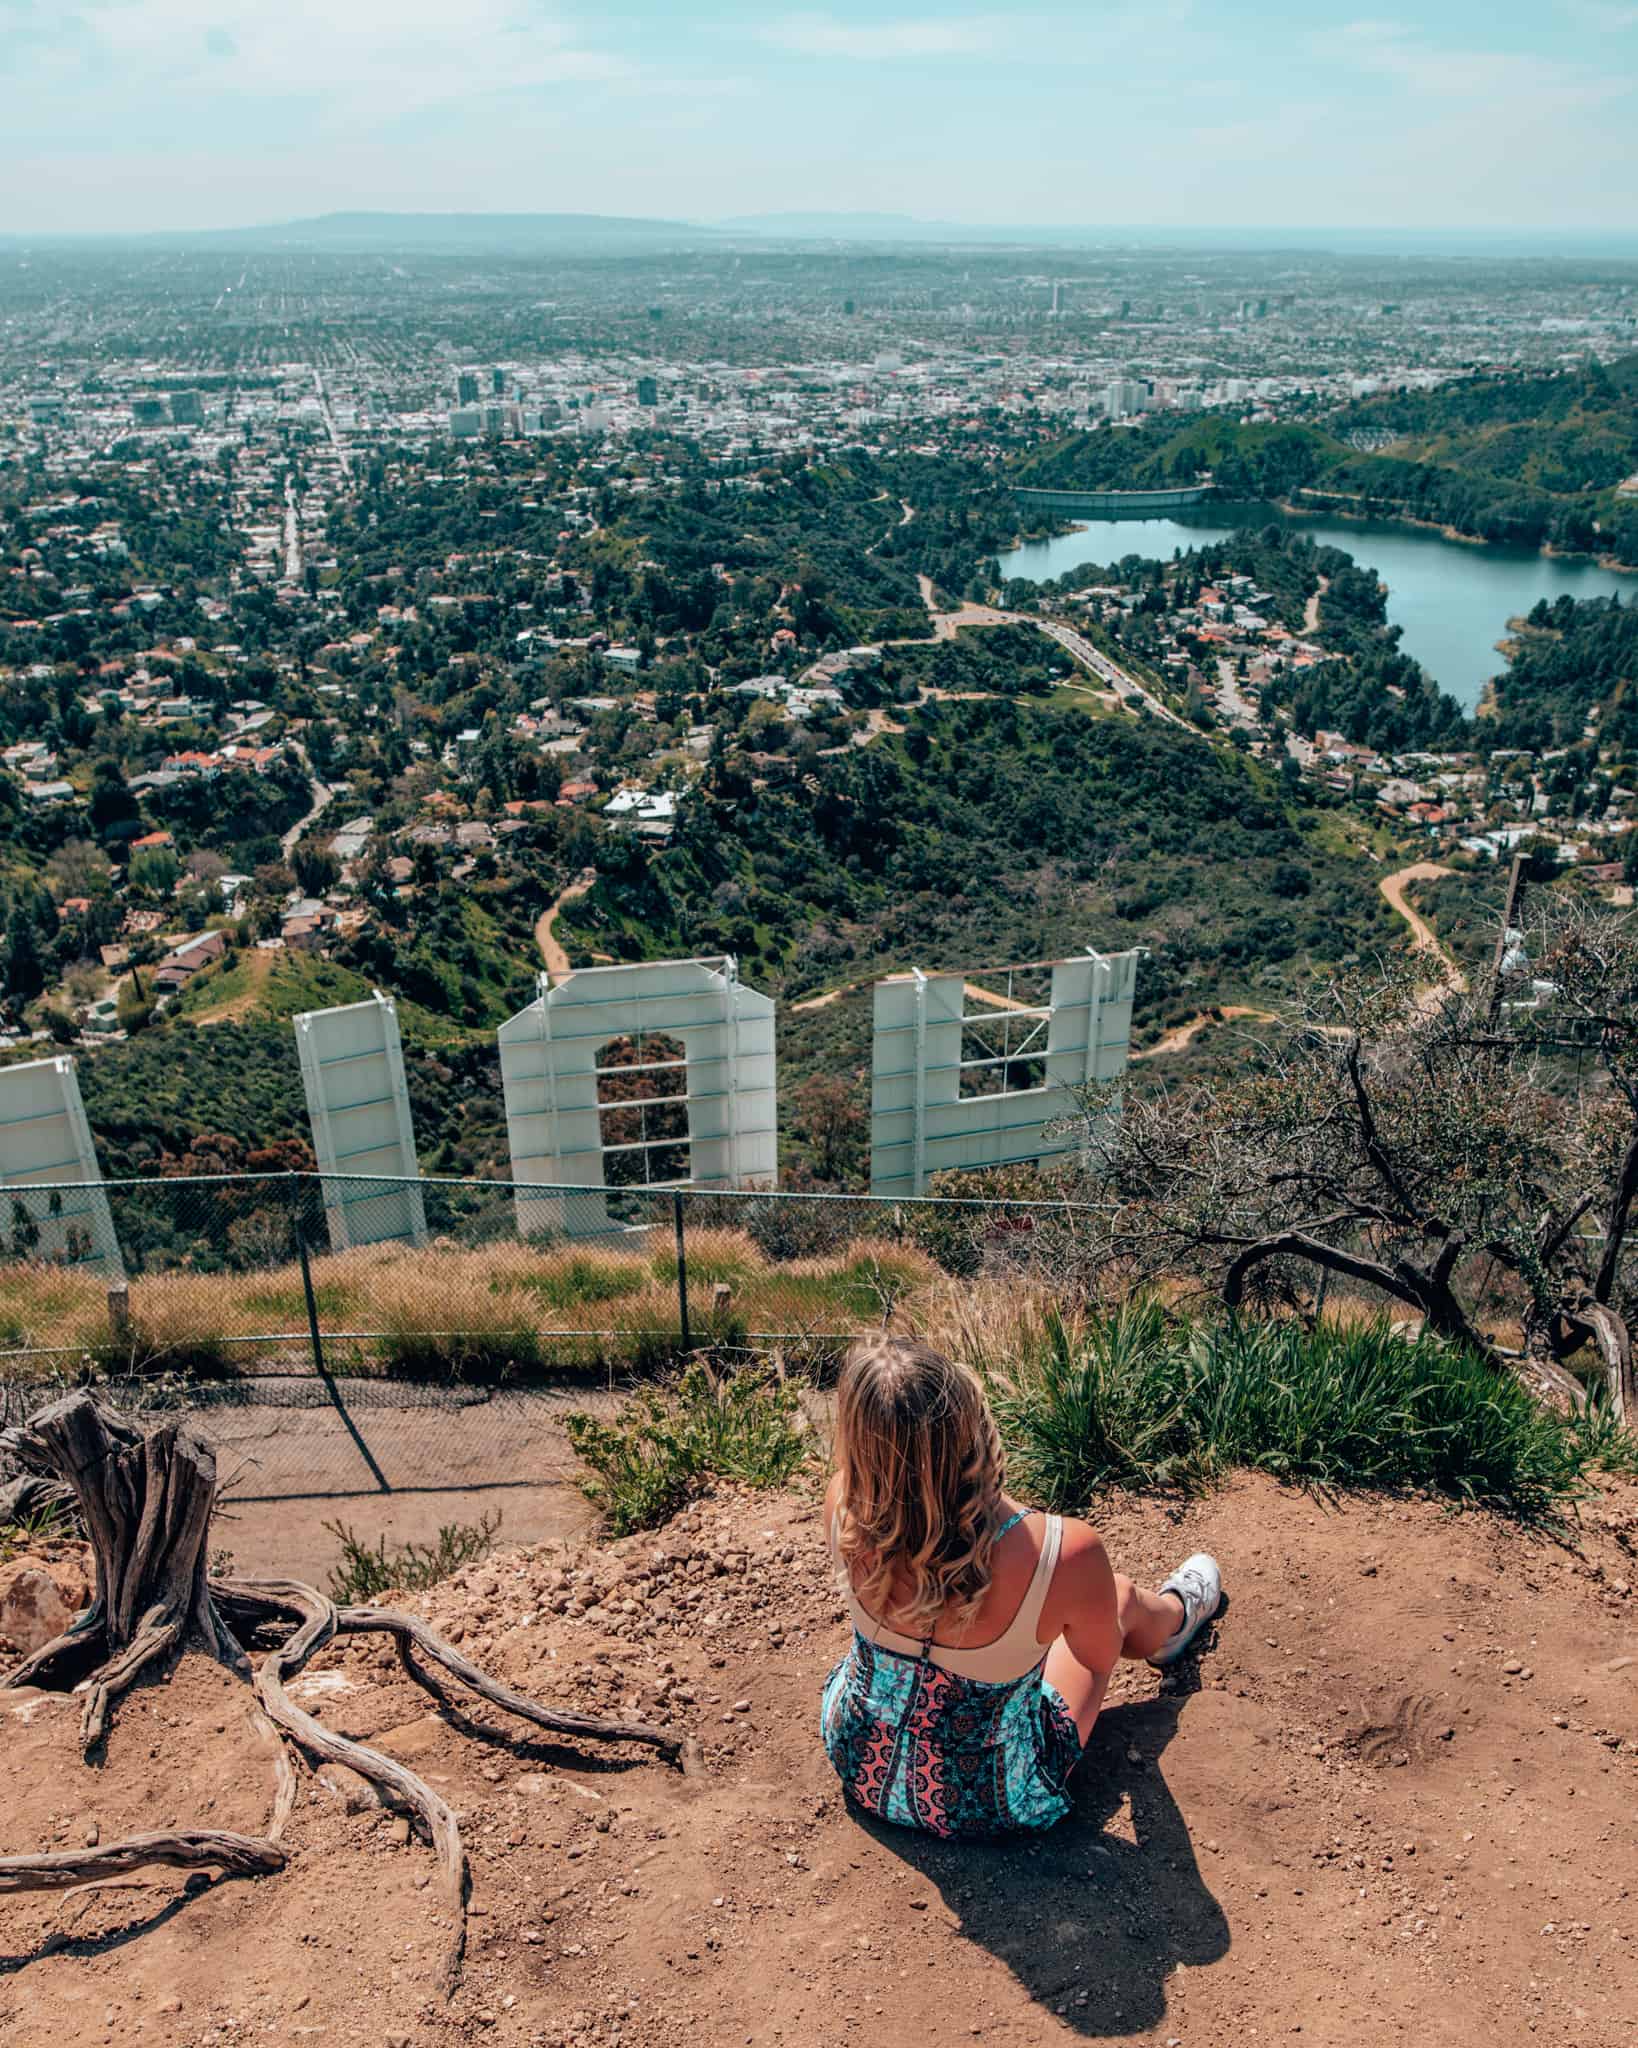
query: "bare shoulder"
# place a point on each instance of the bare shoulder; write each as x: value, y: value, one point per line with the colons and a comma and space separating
x: 833, y: 1500
x: 1080, y: 1544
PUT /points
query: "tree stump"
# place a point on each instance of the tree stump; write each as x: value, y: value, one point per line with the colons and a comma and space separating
x: 146, y: 1503
x: 146, y: 1499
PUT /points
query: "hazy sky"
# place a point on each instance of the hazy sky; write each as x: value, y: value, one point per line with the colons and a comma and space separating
x: 135, y: 114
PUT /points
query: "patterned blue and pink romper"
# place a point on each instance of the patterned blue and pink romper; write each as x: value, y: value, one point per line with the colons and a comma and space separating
x: 954, y: 1742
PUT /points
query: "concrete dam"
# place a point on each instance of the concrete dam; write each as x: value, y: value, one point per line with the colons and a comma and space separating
x: 1116, y: 504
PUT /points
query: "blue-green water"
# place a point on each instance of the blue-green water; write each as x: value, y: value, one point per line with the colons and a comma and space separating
x: 1453, y: 599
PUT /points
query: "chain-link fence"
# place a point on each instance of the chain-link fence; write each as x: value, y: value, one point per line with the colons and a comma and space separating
x: 396, y: 1329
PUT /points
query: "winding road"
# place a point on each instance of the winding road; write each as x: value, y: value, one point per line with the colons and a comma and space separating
x: 1124, y: 685
x: 322, y: 794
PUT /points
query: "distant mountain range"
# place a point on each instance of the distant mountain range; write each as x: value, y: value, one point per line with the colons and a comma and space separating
x: 494, y: 232
x: 502, y: 234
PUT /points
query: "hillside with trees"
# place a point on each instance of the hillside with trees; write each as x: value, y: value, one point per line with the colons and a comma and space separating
x: 1573, y: 664
x: 1529, y: 459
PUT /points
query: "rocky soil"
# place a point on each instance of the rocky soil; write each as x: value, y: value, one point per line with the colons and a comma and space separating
x: 1392, y: 1802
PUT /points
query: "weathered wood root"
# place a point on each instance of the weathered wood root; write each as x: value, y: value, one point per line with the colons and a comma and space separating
x: 409, y: 1634
x: 84, y: 1642
x: 146, y: 1501
x: 261, y: 1600
x: 198, y: 1849
x: 255, y: 1602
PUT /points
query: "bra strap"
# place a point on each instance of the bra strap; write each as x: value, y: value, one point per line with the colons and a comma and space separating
x: 1012, y: 1521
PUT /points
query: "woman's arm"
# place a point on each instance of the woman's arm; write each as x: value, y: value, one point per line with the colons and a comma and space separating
x: 1083, y: 1593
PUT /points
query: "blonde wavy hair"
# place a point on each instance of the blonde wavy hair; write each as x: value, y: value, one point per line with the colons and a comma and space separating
x: 921, y: 1468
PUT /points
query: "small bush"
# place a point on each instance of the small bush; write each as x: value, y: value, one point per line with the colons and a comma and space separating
x: 478, y: 1339
x: 788, y: 1229
x: 365, y: 1571
x: 180, y: 1348
x: 965, y: 1240
x: 489, y: 1353
x: 669, y: 1442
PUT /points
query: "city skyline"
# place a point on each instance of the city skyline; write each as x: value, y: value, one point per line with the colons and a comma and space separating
x: 145, y: 115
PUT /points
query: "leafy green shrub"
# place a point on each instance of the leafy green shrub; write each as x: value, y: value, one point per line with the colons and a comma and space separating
x: 1136, y: 1400
x: 365, y: 1571
x: 667, y: 1442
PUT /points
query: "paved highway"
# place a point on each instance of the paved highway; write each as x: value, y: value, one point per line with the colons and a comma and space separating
x: 1124, y: 685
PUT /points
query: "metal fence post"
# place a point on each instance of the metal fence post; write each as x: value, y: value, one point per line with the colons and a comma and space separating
x: 682, y: 1267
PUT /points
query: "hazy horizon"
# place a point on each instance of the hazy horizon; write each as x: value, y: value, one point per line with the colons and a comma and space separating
x: 177, y: 116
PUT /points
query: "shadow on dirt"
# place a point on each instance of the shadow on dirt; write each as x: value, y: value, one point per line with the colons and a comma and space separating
x: 1093, y: 1917
x: 88, y: 1946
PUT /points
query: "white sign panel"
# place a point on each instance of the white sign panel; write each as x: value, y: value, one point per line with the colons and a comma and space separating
x: 551, y: 1057
x: 964, y: 1079
x: 44, y: 1137
x: 352, y: 1068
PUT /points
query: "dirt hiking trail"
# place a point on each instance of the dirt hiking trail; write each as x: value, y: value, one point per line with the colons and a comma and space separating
x: 1424, y: 939
x: 551, y: 947
x: 1391, y: 1803
x: 1182, y: 1036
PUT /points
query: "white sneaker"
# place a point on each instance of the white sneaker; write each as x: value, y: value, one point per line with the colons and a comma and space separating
x: 1198, y: 1583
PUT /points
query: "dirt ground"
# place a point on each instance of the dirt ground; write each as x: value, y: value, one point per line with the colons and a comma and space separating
x: 290, y: 1474
x: 1393, y: 1801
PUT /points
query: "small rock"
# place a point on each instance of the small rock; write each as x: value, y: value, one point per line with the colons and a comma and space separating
x: 33, y: 1608
x: 398, y: 1832
x: 1513, y: 1667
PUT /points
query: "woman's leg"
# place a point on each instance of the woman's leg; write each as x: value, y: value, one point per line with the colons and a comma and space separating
x: 1147, y: 1621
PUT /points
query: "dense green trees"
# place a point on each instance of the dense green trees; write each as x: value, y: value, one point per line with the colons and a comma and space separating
x: 1528, y: 459
x: 1575, y: 663
x: 994, y: 830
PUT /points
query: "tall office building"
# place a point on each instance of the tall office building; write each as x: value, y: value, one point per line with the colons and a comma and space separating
x: 466, y: 387
x: 497, y: 382
x: 648, y: 391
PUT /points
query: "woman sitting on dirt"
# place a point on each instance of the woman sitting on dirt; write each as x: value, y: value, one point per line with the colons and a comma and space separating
x: 984, y: 1634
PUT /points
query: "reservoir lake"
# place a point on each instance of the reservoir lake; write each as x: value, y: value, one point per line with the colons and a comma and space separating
x: 1452, y: 598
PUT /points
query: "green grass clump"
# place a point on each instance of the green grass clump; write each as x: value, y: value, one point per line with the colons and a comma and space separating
x: 1137, y: 1400
x: 51, y: 1524
x: 366, y: 1570
x: 491, y: 1350
x: 583, y: 1280
x: 668, y: 1442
